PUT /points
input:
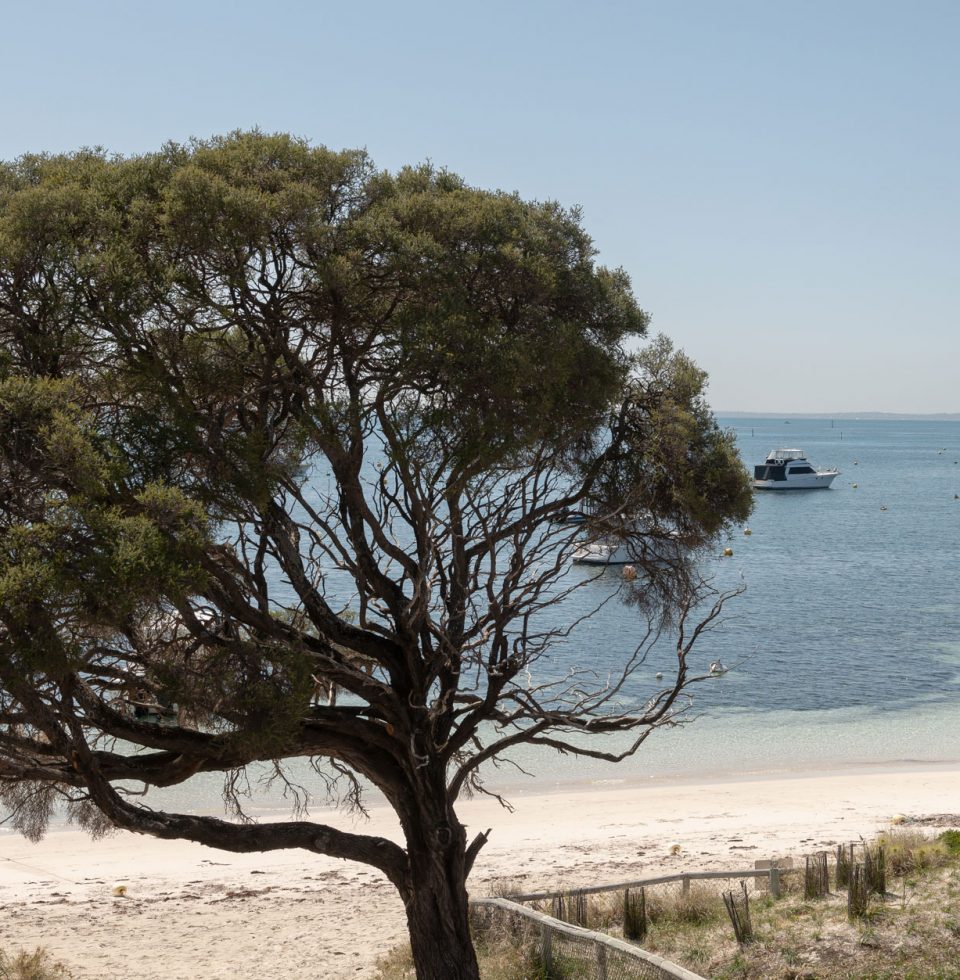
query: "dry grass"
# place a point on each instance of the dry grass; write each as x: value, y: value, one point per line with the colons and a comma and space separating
x: 37, y: 965
x: 909, y: 850
x: 396, y: 965
x: 678, y: 909
x: 499, y: 960
x: 911, y: 933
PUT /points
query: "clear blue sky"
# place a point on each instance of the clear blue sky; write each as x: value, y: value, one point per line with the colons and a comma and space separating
x: 779, y: 177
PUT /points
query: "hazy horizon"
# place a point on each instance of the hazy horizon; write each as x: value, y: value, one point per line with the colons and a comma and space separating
x: 852, y: 416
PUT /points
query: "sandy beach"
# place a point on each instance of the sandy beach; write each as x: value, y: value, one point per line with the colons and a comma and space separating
x: 193, y: 912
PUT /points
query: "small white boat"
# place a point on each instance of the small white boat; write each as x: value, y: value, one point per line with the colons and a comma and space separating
x: 789, y: 469
x: 659, y: 550
x: 603, y: 553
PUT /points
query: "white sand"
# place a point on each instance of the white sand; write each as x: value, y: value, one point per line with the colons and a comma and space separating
x: 193, y: 912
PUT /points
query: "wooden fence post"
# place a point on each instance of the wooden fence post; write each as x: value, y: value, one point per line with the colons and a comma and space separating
x: 601, y: 961
x: 546, y: 948
x: 686, y: 884
x: 775, y: 882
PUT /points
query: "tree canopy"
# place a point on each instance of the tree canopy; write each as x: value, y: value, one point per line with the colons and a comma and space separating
x: 285, y: 445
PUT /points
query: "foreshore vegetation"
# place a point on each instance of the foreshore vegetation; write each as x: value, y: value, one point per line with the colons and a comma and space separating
x: 912, y: 930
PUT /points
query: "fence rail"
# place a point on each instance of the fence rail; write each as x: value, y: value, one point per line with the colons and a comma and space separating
x: 568, y: 949
x: 772, y: 874
x: 589, y: 953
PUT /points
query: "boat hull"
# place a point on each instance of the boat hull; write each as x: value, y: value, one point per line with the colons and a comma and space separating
x: 664, y: 552
x: 815, y: 481
x: 602, y: 554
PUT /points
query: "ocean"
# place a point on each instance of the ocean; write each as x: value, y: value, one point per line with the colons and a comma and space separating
x: 846, y: 639
x: 844, y: 646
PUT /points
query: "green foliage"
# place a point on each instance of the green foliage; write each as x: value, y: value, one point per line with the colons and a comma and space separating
x: 951, y: 841
x: 248, y: 382
x: 66, y: 544
x: 675, y: 463
x: 502, y: 378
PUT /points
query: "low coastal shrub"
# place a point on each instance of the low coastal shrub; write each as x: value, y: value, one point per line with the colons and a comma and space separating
x: 908, y: 851
x: 858, y: 893
x: 396, y: 965
x: 951, y: 841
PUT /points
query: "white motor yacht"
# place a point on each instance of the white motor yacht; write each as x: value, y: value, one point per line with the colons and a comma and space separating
x: 789, y: 469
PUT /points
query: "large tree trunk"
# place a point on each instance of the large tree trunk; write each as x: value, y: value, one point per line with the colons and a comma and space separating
x: 436, y: 903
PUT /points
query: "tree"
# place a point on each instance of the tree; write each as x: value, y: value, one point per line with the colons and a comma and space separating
x: 284, y: 443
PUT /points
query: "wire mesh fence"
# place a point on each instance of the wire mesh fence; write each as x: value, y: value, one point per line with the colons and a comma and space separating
x: 568, y: 952
x: 577, y: 932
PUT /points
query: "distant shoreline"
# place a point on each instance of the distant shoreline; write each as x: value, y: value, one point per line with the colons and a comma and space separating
x: 848, y: 416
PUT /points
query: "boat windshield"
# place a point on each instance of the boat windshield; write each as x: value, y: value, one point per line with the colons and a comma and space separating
x: 781, y: 455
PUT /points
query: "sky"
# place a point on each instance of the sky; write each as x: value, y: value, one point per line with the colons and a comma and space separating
x: 778, y: 177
